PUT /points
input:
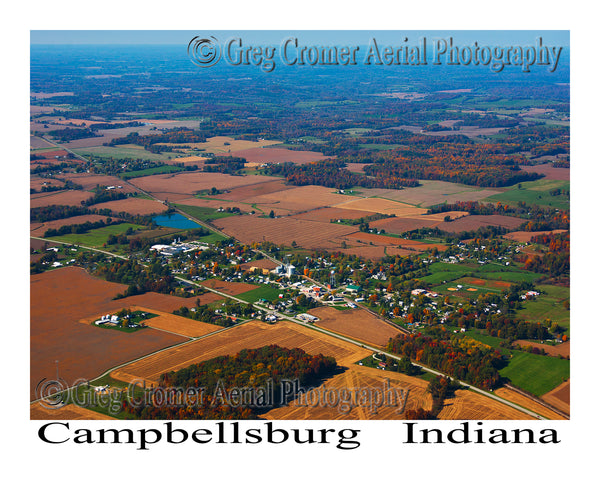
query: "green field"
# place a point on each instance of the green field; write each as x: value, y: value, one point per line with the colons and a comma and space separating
x: 537, y: 374
x: 204, y: 214
x: 536, y: 192
x: 123, y: 151
x: 150, y: 171
x: 97, y: 237
x: 549, y: 305
x: 263, y: 292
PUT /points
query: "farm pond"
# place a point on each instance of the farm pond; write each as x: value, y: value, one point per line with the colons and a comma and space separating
x: 174, y: 220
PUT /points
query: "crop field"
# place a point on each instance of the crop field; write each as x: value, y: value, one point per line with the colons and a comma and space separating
x: 188, y: 183
x: 66, y: 412
x: 38, y: 142
x: 536, y: 192
x: 467, y: 405
x: 262, y: 292
x: 39, y: 229
x: 563, y: 349
x: 400, y: 225
x: 223, y: 145
x: 524, y: 401
x: 177, y: 324
x: 69, y: 197
x: 242, y: 193
x: 96, y: 237
x: 433, y: 192
x: 134, y: 206
x: 248, y: 229
x: 121, y: 152
x: 89, y: 182
x: 82, y: 351
x: 537, y: 374
x: 164, y: 302
x: 277, y: 155
x: 38, y: 183
x: 299, y: 199
x: 230, y: 288
x: 382, y: 205
x: 411, y: 245
x: 522, y: 236
x: 550, y: 172
x: 332, y: 213
x: 473, y: 222
x: 252, y: 334
x: 313, y: 407
x: 206, y: 209
x: 560, y: 397
x: 356, y: 323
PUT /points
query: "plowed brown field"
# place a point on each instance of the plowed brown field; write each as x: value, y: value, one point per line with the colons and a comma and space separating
x: 134, y: 206
x: 59, y: 299
x: 356, y: 323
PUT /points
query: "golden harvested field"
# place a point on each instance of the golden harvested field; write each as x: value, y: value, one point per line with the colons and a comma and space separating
x: 177, y: 324
x: 467, y: 405
x: 528, y: 403
x: 191, y: 182
x: 38, y: 229
x: 69, y: 197
x: 134, y: 206
x: 356, y: 323
x: 68, y: 412
x: 560, y: 397
x: 356, y: 377
x: 217, y: 145
x: 382, y: 205
x: 252, y: 334
x: 285, y: 230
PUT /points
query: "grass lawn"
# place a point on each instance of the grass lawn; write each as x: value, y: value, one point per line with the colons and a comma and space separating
x: 97, y: 237
x: 150, y: 171
x: 264, y: 291
x: 549, y: 305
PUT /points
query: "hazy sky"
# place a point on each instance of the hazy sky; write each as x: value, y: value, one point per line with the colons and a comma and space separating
x: 177, y: 37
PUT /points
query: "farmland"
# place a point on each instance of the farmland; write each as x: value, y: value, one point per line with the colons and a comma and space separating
x: 249, y: 335
x: 358, y: 324
x: 83, y: 351
x: 432, y: 206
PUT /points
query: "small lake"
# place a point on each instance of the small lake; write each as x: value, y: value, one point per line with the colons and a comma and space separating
x: 175, y: 220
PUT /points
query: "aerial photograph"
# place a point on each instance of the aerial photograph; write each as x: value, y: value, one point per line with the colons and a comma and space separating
x: 299, y: 225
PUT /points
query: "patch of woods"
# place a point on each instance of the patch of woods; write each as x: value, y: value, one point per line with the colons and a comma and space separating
x: 230, y: 165
x: 460, y: 357
x: 239, y: 386
x: 331, y: 173
x: 222, y: 317
x: 538, y: 218
x: 440, y: 388
x: 556, y: 259
x: 150, y: 142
